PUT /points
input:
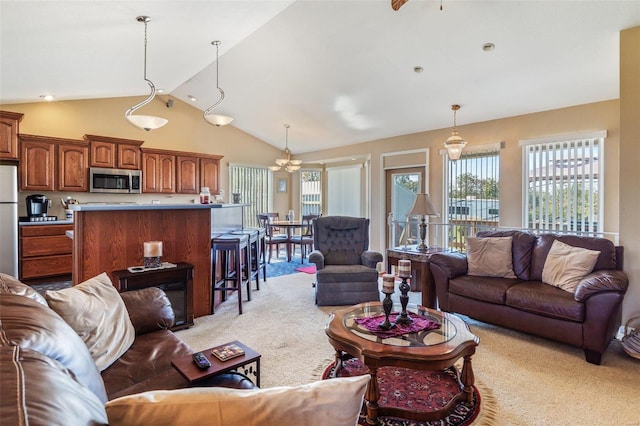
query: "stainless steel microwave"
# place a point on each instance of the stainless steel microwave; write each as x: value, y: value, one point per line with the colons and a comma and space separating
x: 119, y: 181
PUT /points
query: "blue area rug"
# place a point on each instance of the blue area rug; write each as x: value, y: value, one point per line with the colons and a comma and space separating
x: 280, y: 266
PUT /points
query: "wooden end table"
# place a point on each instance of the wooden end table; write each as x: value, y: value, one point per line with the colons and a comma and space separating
x: 437, y: 349
x: 188, y: 369
x: 421, y: 276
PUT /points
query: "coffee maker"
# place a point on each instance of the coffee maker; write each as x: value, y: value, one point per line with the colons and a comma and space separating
x: 37, y: 207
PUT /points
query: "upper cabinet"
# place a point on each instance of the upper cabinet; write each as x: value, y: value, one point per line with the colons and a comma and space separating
x: 9, y: 126
x: 114, y: 152
x: 158, y: 171
x: 43, y: 159
x: 187, y: 175
x: 209, y: 173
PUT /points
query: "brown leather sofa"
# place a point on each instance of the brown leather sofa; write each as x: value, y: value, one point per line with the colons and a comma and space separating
x: 587, y: 318
x: 49, y: 377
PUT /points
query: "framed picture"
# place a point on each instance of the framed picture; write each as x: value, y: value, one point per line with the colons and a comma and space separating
x: 282, y: 185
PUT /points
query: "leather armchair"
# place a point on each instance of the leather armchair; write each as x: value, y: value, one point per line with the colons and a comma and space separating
x: 346, y: 268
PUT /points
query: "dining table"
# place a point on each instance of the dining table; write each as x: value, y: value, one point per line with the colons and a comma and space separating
x: 289, y: 226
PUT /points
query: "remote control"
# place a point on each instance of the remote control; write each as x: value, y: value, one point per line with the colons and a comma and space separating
x: 201, y: 361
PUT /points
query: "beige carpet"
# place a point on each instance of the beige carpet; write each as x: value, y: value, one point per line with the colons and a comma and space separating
x: 525, y: 380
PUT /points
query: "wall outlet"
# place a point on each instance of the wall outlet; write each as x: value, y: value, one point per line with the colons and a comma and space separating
x: 620, y: 333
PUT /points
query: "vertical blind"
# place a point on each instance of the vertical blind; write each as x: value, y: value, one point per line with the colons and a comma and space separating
x: 344, y: 191
x: 253, y: 183
x: 563, y: 185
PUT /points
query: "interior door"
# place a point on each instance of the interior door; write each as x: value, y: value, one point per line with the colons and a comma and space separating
x: 402, y: 185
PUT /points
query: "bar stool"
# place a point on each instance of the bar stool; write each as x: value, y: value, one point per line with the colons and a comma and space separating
x: 224, y: 246
x: 254, y: 248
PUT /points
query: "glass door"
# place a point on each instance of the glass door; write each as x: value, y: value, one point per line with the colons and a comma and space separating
x: 402, y: 187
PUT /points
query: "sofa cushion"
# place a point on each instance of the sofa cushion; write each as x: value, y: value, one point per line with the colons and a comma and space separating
x: 146, y: 365
x: 542, y: 299
x: 487, y: 289
x: 9, y: 284
x: 567, y: 265
x: 522, y: 244
x: 30, y: 325
x: 36, y: 390
x: 490, y: 257
x: 95, y: 310
x: 606, y: 259
x: 335, y: 402
x: 347, y: 273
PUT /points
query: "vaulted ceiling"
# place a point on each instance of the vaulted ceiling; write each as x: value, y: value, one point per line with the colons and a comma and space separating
x: 339, y: 72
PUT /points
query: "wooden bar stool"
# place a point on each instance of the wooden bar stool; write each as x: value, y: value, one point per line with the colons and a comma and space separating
x: 224, y: 247
x: 254, y: 248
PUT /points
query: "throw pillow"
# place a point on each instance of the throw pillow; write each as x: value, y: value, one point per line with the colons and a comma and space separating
x: 490, y: 257
x: 566, y: 265
x: 335, y: 402
x: 95, y: 310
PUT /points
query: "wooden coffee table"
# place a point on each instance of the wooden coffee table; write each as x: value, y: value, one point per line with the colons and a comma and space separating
x: 437, y: 349
x: 188, y: 369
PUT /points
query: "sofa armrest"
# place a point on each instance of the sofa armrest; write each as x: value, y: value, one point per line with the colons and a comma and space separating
x: 452, y: 264
x: 371, y: 258
x: 317, y: 257
x: 605, y: 280
x: 149, y: 309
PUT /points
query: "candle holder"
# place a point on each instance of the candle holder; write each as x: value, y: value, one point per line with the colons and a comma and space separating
x: 387, y: 304
x: 152, y: 262
x: 404, y: 287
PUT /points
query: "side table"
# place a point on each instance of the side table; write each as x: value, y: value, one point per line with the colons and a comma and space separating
x: 421, y: 276
x: 188, y: 369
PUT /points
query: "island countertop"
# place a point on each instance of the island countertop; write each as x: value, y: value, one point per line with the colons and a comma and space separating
x: 95, y: 207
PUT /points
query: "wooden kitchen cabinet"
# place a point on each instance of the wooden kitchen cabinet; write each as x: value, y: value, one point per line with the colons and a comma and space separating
x: 128, y: 157
x: 209, y: 173
x: 112, y: 152
x: 103, y: 154
x: 44, y: 251
x: 187, y: 175
x: 73, y: 165
x: 37, y: 164
x: 9, y: 125
x: 158, y: 172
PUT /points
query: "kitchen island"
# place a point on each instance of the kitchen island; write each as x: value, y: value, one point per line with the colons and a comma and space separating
x: 110, y: 237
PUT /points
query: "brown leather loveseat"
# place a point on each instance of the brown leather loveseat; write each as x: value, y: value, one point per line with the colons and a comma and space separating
x: 586, y: 317
x: 49, y: 376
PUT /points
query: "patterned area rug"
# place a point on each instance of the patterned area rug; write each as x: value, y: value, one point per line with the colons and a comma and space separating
x: 415, y: 390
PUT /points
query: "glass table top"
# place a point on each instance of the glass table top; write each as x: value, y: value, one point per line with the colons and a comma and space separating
x: 445, y: 333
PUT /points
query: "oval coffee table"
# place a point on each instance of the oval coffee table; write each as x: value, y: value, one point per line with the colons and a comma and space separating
x: 437, y: 349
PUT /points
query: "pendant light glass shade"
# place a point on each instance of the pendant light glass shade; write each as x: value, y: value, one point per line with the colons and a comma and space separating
x: 455, y: 144
x: 217, y: 119
x: 286, y: 161
x: 145, y: 122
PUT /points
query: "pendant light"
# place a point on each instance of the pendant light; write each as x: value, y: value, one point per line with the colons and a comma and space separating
x: 455, y: 144
x: 286, y: 161
x: 217, y: 119
x: 145, y: 122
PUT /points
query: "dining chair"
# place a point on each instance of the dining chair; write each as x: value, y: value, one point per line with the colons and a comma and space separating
x: 271, y: 239
x: 305, y: 238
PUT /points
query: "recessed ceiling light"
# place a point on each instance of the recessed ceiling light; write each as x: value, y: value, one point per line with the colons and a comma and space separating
x: 193, y: 98
x: 47, y: 97
x: 160, y: 91
x: 418, y: 69
x: 488, y: 47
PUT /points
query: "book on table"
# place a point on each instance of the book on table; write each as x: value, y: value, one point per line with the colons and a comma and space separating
x: 227, y: 351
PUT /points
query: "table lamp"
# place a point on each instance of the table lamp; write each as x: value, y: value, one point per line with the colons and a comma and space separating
x: 423, y: 207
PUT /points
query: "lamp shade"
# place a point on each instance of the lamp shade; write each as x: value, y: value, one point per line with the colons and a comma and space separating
x: 423, y: 206
x: 455, y: 144
x: 147, y: 122
x: 218, y: 120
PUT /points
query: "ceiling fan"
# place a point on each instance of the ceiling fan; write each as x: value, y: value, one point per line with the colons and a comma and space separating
x: 397, y: 4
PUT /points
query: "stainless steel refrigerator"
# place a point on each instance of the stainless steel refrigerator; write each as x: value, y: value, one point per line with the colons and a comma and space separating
x: 9, y: 219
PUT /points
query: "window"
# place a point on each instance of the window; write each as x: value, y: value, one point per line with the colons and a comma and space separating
x: 345, y: 190
x: 473, y: 199
x: 563, y: 189
x: 311, y: 192
x: 254, y: 184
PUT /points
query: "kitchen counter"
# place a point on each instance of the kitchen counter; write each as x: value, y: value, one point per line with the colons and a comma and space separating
x: 130, y: 206
x: 49, y: 222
